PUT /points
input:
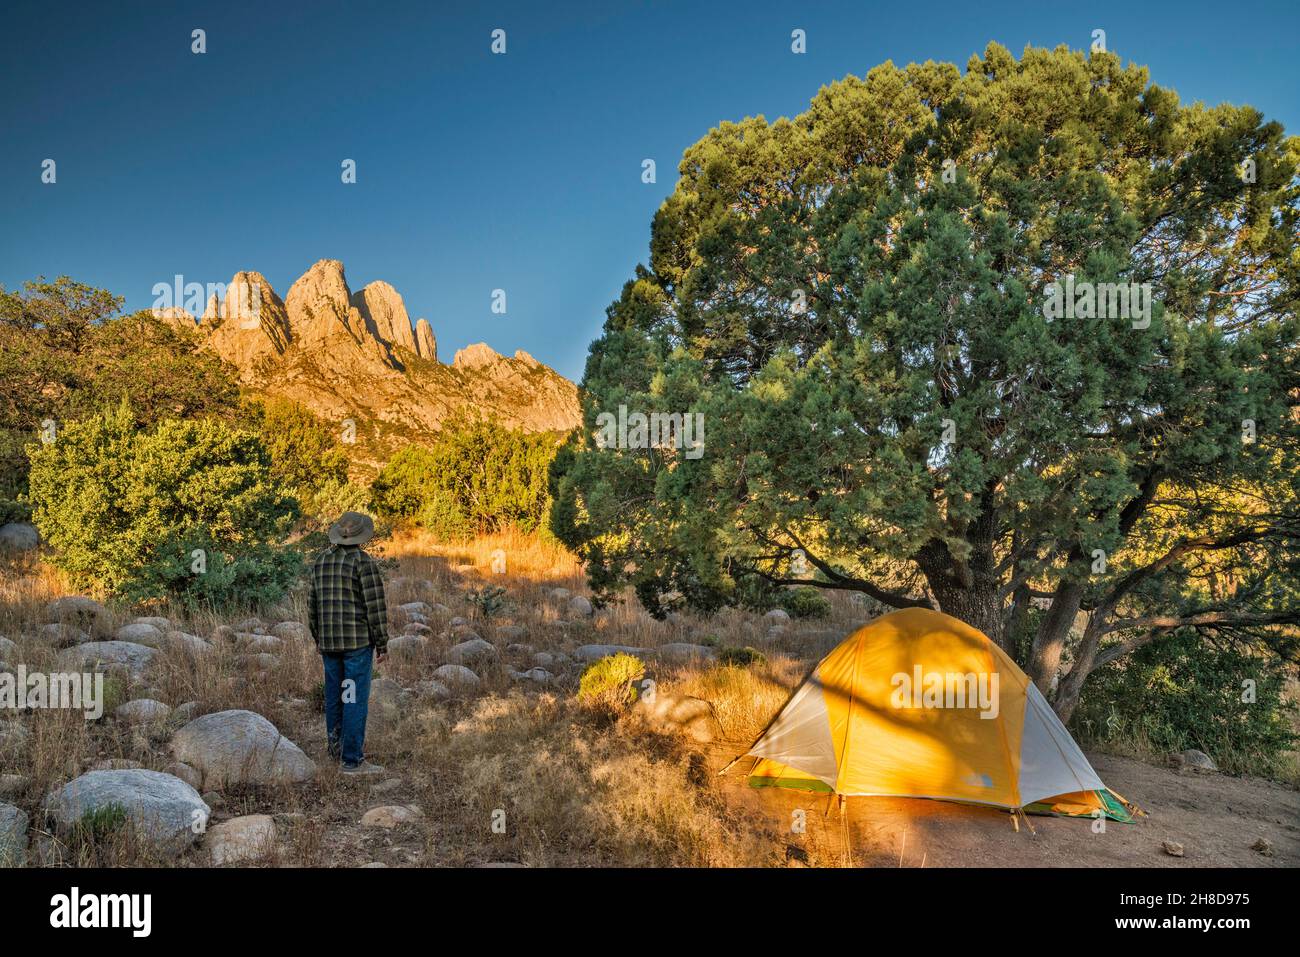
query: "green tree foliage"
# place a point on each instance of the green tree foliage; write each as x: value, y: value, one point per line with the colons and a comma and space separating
x: 855, y: 300
x: 473, y: 478
x: 64, y: 354
x: 125, y: 507
x: 1184, y: 693
x: 307, y: 457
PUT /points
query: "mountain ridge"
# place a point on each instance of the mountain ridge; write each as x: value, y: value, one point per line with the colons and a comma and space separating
x: 356, y: 356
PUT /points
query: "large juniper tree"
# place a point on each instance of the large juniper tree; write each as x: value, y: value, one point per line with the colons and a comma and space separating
x: 855, y: 299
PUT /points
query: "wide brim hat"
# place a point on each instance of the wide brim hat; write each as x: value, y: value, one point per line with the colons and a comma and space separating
x: 352, y: 528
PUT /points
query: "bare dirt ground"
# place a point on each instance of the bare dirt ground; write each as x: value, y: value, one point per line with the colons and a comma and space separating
x: 1215, y: 818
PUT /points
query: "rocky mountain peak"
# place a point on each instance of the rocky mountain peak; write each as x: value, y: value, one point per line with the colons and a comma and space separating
x: 319, y: 306
x: 341, y: 355
x: 384, y: 312
x: 475, y: 356
x: 425, y: 343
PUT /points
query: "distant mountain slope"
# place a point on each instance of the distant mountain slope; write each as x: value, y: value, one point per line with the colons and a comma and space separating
x: 356, y: 356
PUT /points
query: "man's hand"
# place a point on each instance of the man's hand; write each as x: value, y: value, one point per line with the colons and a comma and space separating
x: 381, y: 655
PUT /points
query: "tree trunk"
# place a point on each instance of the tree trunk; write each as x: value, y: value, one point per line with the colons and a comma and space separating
x: 971, y: 595
x: 1049, y: 640
x: 1085, y: 657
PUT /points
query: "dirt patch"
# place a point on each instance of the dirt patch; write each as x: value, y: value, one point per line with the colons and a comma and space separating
x: 1216, y: 818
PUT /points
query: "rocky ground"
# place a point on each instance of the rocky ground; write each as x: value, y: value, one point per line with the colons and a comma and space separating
x: 211, y: 750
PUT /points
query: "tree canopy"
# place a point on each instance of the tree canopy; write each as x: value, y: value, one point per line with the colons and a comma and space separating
x: 862, y: 302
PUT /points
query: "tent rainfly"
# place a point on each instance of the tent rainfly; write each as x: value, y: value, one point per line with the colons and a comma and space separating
x: 919, y: 704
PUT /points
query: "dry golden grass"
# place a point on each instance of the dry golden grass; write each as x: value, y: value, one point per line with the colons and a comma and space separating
x: 507, y: 772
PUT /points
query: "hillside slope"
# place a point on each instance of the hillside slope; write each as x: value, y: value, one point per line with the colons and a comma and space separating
x: 356, y: 356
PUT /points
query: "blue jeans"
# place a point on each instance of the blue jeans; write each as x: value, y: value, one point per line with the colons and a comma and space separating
x: 347, y: 699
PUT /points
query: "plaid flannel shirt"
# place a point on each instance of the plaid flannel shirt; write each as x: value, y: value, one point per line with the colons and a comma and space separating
x: 347, y: 608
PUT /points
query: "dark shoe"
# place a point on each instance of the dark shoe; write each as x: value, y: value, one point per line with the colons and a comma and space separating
x: 364, y: 768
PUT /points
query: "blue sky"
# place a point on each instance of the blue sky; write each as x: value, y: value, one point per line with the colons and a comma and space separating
x: 474, y: 171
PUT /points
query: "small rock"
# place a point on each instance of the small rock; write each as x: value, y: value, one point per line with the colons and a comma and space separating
x: 142, y: 711
x: 13, y: 836
x: 559, y: 594
x: 1263, y: 846
x: 108, y: 656
x: 580, y: 606
x: 115, y: 764
x: 11, y: 785
x: 192, y: 645
x: 262, y: 662
x: 7, y: 647
x: 1194, y: 760
x: 473, y: 651
x: 431, y: 688
x: 391, y: 815
x: 162, y: 624
x: 252, y: 625
x: 240, y: 747
x: 76, y: 609
x: 1173, y: 848
x: 456, y: 675
x: 544, y: 659
x: 291, y: 631
x: 62, y: 634
x: 386, y: 786
x: 415, y: 607
x: 186, y: 712
x: 248, y: 838
x: 512, y: 633
x: 160, y: 808
x: 539, y: 675
x: 141, y: 633
x: 778, y: 616
x: 259, y: 644
x: 405, y: 646
x: 19, y: 537
x: 191, y: 776
x: 417, y: 628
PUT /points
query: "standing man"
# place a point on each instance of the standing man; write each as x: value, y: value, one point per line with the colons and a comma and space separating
x: 349, y: 621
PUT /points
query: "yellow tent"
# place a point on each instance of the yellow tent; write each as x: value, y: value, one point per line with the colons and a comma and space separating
x: 919, y: 704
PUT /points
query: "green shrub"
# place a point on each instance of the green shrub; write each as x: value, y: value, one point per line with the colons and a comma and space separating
x: 1186, y: 693
x: 252, y: 573
x: 473, y: 479
x: 611, y: 682
x: 100, y: 824
x: 307, y: 458
x: 805, y: 602
x: 187, y: 509
x: 741, y: 657
x: 486, y: 601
